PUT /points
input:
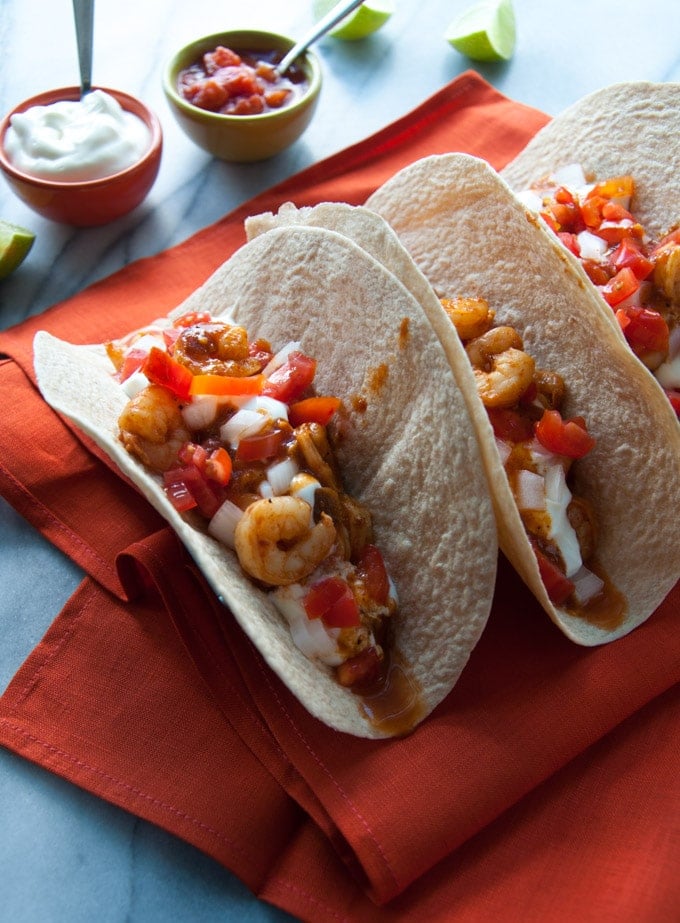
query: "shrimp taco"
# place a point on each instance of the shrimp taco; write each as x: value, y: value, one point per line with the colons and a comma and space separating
x: 296, y: 422
x: 603, y: 177
x: 581, y: 447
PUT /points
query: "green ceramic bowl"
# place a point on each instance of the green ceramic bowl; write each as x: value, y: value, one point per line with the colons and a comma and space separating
x: 242, y: 138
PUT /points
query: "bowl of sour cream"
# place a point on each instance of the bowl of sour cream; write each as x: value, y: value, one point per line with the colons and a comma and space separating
x: 83, y: 162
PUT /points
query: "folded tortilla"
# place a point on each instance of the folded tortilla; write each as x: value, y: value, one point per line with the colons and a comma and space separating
x: 471, y: 237
x: 412, y: 457
x: 627, y: 128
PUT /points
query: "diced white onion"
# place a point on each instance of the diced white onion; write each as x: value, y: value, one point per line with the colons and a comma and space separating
x: 243, y: 423
x: 674, y: 342
x: 587, y: 585
x: 135, y: 383
x: 275, y: 410
x: 668, y: 373
x: 504, y: 450
x: 280, y: 358
x: 591, y: 247
x: 304, y: 486
x: 200, y: 412
x: 223, y: 524
x: 147, y: 340
x: 561, y: 531
x: 280, y: 475
x: 530, y: 491
x: 310, y: 636
x: 530, y: 199
x: 570, y: 175
x: 541, y: 457
x: 265, y: 490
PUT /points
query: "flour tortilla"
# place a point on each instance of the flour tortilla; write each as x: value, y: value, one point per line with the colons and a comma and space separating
x: 413, y: 457
x: 628, y: 128
x: 471, y: 237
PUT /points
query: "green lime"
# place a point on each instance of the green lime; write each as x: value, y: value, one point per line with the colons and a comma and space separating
x: 484, y: 32
x: 15, y: 242
x: 362, y: 21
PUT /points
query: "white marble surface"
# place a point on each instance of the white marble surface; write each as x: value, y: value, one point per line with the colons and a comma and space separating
x: 64, y: 855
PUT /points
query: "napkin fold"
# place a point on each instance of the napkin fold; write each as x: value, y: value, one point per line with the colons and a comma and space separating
x: 509, y: 801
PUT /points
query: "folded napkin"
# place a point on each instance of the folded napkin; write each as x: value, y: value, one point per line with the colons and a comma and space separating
x: 543, y: 787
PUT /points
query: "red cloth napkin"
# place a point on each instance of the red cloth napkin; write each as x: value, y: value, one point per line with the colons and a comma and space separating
x: 544, y: 787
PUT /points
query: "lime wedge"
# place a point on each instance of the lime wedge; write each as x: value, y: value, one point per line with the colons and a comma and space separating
x: 15, y: 242
x: 362, y: 21
x: 484, y: 32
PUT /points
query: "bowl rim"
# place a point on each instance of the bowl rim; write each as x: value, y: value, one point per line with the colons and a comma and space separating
x: 193, y: 49
x: 69, y: 94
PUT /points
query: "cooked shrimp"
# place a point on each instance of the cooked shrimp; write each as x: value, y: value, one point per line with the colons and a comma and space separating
x: 278, y: 543
x: 667, y: 272
x: 503, y: 371
x: 470, y: 316
x: 216, y: 348
x: 152, y: 429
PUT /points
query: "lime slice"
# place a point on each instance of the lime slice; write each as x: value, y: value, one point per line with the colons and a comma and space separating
x: 15, y: 242
x: 364, y: 20
x: 484, y: 32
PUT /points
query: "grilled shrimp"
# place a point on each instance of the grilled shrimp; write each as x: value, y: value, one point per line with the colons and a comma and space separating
x: 503, y: 371
x: 470, y: 316
x: 152, y: 429
x: 278, y: 543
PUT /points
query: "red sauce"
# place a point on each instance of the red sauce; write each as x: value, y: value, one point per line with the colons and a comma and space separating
x: 240, y: 83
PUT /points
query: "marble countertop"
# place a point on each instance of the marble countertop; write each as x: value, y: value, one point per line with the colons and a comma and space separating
x: 66, y: 855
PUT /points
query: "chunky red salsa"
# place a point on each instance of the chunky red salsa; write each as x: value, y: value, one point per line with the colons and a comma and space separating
x: 241, y: 83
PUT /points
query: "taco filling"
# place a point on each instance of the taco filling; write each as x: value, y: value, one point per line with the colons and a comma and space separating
x: 638, y: 277
x: 538, y: 448
x: 244, y: 446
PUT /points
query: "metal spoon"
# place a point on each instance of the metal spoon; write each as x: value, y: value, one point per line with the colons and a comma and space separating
x: 339, y: 11
x: 83, y: 14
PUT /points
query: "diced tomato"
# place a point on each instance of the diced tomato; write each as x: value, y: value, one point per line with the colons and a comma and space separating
x: 313, y: 410
x: 332, y: 600
x: 371, y: 566
x: 189, y: 318
x: 220, y: 57
x: 132, y: 362
x: 361, y: 670
x: 208, y: 497
x: 218, y: 466
x: 598, y: 273
x: 558, y: 587
x: 591, y: 210
x: 570, y: 241
x: 227, y: 384
x: 567, y: 216
x: 563, y: 437
x: 170, y: 335
x: 616, y: 187
x: 673, y: 237
x: 192, y: 453
x: 674, y: 398
x: 613, y: 211
x: 510, y: 425
x: 614, y: 232
x: 628, y: 255
x: 259, y: 447
x: 180, y: 496
x: 622, y: 286
x: 644, y: 329
x: 290, y: 381
x: 162, y: 369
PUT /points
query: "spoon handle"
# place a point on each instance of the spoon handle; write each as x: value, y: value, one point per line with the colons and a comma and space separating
x: 339, y: 11
x: 83, y: 14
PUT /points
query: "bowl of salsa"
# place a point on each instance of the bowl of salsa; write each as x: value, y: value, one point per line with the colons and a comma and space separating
x: 227, y: 96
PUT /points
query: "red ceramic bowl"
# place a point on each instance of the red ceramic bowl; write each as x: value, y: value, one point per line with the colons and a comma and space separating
x: 92, y: 202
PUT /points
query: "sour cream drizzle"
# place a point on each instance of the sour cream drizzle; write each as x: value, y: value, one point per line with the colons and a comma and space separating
x: 76, y: 140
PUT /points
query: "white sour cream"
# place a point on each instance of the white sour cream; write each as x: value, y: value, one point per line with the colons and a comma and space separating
x: 76, y: 140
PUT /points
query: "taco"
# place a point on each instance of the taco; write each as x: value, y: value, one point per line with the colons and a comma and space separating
x: 482, y: 252
x: 603, y: 177
x: 306, y: 319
